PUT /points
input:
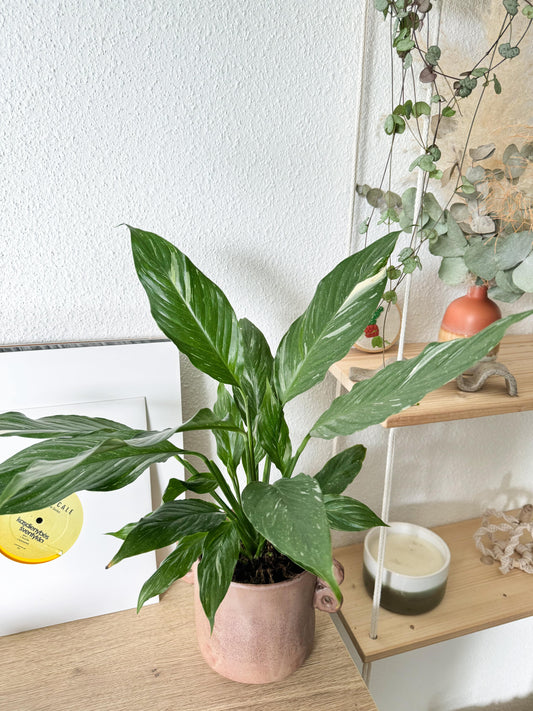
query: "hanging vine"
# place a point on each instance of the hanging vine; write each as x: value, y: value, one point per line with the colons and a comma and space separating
x: 421, y: 62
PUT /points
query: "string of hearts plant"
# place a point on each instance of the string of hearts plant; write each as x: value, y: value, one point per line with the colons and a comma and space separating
x: 422, y: 66
x: 261, y: 502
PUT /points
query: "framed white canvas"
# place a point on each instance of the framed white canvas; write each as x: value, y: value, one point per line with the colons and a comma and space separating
x: 135, y: 383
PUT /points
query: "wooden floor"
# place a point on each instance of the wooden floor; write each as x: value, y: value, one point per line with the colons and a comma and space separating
x: 129, y: 662
x: 478, y: 596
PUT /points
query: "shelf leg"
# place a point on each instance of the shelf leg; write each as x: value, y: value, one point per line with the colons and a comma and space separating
x: 367, y: 669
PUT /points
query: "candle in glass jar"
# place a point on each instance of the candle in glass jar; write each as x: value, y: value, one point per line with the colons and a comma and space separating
x: 415, y: 568
x: 408, y: 554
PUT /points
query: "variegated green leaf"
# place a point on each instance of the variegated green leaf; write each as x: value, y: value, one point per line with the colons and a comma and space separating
x: 48, y: 471
x: 291, y: 515
x: 175, y: 566
x: 405, y: 383
x: 341, y: 308
x: 169, y: 523
x: 215, y: 570
x: 341, y: 470
x: 188, y: 307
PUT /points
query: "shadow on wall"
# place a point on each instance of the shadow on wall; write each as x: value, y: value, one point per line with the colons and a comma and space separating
x: 523, y: 704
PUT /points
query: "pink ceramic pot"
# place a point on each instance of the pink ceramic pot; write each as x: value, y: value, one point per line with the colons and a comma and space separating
x: 263, y: 633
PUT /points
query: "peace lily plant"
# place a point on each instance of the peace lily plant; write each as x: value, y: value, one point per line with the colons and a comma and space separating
x: 279, y: 508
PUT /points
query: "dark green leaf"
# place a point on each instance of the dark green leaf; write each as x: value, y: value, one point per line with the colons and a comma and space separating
x: 341, y: 470
x: 337, y: 315
x: 291, y: 515
x: 188, y: 307
x: 405, y: 383
x: 46, y: 472
x: 215, y: 570
x: 169, y: 523
x: 479, y: 72
x: 433, y: 55
x: 230, y: 445
x: 175, y: 566
x: 199, y: 483
x: 421, y: 108
x: 448, y: 111
x: 273, y: 431
x: 511, y: 6
x: 257, y: 365
x: 507, y: 51
x: 347, y: 514
x: 203, y: 420
x: 527, y: 11
x: 497, y: 86
x: 15, y: 423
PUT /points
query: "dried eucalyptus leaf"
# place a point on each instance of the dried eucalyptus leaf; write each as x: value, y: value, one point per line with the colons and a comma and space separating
x: 504, y: 279
x: 523, y: 274
x: 481, y: 261
x: 460, y: 211
x: 447, y: 175
x: 476, y: 174
x: 498, y: 294
x: 466, y: 227
x: 515, y: 165
x: 482, y: 152
x: 453, y: 270
x: 483, y: 224
x: 527, y: 151
x: 511, y: 150
x: 512, y: 249
x: 432, y: 207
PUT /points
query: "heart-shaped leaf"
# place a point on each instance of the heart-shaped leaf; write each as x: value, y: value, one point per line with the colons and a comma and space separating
x: 291, y: 515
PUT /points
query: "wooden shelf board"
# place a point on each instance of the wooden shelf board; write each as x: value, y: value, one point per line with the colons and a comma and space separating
x: 129, y: 662
x: 449, y: 403
x: 478, y: 596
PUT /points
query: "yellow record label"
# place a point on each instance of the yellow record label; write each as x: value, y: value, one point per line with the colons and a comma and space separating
x: 43, y: 535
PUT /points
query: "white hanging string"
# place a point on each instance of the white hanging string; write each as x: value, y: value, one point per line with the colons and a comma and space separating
x: 357, y: 142
x: 389, y: 466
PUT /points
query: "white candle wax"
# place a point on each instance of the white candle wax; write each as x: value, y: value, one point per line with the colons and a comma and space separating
x: 408, y: 554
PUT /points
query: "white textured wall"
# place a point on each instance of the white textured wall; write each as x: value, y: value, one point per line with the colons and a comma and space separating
x: 227, y: 127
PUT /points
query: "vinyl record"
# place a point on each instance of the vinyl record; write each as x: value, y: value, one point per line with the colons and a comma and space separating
x: 43, y: 535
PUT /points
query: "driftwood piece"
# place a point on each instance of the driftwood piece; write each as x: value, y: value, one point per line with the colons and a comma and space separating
x: 474, y: 381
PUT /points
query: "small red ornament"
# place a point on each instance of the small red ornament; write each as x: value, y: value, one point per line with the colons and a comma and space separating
x: 372, y: 330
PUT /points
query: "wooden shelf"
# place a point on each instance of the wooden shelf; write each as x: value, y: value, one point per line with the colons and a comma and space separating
x: 129, y: 662
x: 477, y: 597
x: 449, y: 403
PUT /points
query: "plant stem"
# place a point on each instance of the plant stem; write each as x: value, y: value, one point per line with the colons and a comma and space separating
x: 288, y: 473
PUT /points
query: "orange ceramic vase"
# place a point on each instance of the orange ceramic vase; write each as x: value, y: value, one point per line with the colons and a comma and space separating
x: 468, y: 315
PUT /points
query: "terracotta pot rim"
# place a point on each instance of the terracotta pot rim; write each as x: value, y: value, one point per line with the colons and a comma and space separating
x: 269, y: 586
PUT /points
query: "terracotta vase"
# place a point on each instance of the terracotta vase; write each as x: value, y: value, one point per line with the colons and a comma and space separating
x: 263, y: 633
x: 468, y: 315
